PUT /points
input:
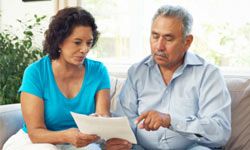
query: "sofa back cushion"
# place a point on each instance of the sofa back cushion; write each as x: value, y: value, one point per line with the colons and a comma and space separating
x: 239, y: 89
x: 10, y: 121
x: 116, y: 86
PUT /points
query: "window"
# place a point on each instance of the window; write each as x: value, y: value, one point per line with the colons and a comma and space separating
x: 221, y: 30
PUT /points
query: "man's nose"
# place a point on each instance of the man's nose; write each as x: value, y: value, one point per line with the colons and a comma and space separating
x: 160, y: 44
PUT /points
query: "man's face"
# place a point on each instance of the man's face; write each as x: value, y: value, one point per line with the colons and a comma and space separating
x: 167, y: 43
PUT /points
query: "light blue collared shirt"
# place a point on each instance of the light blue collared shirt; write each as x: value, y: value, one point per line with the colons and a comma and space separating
x: 196, y: 98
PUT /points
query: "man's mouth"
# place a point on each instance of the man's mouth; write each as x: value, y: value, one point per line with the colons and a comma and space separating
x: 161, y: 54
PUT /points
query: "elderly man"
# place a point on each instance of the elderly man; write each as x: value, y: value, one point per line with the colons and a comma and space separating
x: 174, y: 99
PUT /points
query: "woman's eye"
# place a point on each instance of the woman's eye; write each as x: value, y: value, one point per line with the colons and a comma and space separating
x: 89, y: 43
x: 77, y: 42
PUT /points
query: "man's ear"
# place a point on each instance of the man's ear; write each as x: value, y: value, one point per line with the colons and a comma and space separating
x: 188, y: 41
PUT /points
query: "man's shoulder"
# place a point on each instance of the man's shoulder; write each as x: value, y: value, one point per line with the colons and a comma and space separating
x: 140, y: 66
x: 199, y: 66
x: 199, y: 62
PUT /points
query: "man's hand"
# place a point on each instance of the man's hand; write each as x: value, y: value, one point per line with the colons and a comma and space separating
x: 118, y: 144
x: 153, y: 120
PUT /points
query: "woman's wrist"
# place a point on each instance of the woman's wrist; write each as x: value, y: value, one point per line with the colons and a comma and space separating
x: 64, y: 137
x: 99, y: 115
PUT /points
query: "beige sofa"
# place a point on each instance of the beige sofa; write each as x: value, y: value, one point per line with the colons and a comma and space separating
x: 239, y: 87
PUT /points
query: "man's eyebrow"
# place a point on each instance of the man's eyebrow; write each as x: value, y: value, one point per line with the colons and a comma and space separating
x: 154, y: 32
x: 168, y: 35
x: 165, y: 35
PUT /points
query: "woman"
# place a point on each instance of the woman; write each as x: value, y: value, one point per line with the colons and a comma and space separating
x: 62, y: 82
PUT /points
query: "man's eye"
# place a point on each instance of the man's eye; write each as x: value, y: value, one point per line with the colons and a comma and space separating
x: 155, y: 36
x: 169, y: 38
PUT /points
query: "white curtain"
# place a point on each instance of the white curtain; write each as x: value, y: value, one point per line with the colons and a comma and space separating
x: 60, y: 4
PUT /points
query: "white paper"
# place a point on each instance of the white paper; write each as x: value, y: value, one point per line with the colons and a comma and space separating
x: 106, y: 128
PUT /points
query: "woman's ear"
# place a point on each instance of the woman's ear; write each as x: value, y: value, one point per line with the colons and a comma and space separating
x: 60, y: 46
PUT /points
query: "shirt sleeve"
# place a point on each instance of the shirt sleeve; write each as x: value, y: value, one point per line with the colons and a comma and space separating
x: 104, y: 78
x: 127, y: 102
x: 31, y: 82
x: 212, y: 124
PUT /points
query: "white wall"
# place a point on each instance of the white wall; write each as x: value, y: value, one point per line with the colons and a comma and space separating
x: 11, y: 10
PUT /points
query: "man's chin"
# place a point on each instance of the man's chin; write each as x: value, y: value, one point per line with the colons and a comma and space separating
x: 162, y: 63
x: 160, y: 60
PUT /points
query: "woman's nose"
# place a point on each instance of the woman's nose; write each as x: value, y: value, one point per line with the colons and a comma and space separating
x: 84, y: 49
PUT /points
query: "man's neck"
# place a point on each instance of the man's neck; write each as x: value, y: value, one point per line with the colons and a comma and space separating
x: 168, y: 71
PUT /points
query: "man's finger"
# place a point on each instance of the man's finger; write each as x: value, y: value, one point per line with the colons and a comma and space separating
x: 141, y: 117
x: 147, y: 120
x: 141, y: 126
x: 120, y: 147
x: 116, y: 141
x: 156, y: 126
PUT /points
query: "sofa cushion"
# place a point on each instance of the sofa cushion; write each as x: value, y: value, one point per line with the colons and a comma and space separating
x: 239, y: 89
x: 116, y: 86
x: 10, y: 121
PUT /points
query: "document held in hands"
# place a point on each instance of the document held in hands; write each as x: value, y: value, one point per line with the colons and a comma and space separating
x: 106, y: 128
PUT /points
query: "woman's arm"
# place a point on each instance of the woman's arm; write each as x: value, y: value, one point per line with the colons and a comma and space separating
x: 103, y: 102
x: 33, y: 113
x: 102, y: 108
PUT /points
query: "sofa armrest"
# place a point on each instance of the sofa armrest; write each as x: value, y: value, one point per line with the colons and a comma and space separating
x: 10, y: 121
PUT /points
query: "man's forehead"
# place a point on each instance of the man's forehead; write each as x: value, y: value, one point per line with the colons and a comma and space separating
x: 166, y: 25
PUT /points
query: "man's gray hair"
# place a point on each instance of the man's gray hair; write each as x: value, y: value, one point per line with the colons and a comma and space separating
x: 178, y: 12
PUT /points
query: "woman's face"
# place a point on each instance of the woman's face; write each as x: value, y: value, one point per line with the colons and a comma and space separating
x: 76, y: 46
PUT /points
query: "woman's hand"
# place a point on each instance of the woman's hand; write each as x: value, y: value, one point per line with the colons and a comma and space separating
x: 97, y: 115
x: 79, y: 139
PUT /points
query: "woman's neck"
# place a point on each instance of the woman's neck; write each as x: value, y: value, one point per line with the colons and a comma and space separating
x: 65, y: 70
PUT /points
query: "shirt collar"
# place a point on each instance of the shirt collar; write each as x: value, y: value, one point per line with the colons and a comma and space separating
x: 191, y: 59
x: 149, y: 61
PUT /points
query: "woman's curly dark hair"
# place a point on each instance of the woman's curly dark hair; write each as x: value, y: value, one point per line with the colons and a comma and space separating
x: 62, y: 25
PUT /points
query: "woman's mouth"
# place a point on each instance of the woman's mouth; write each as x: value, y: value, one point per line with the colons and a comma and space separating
x: 80, y: 58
